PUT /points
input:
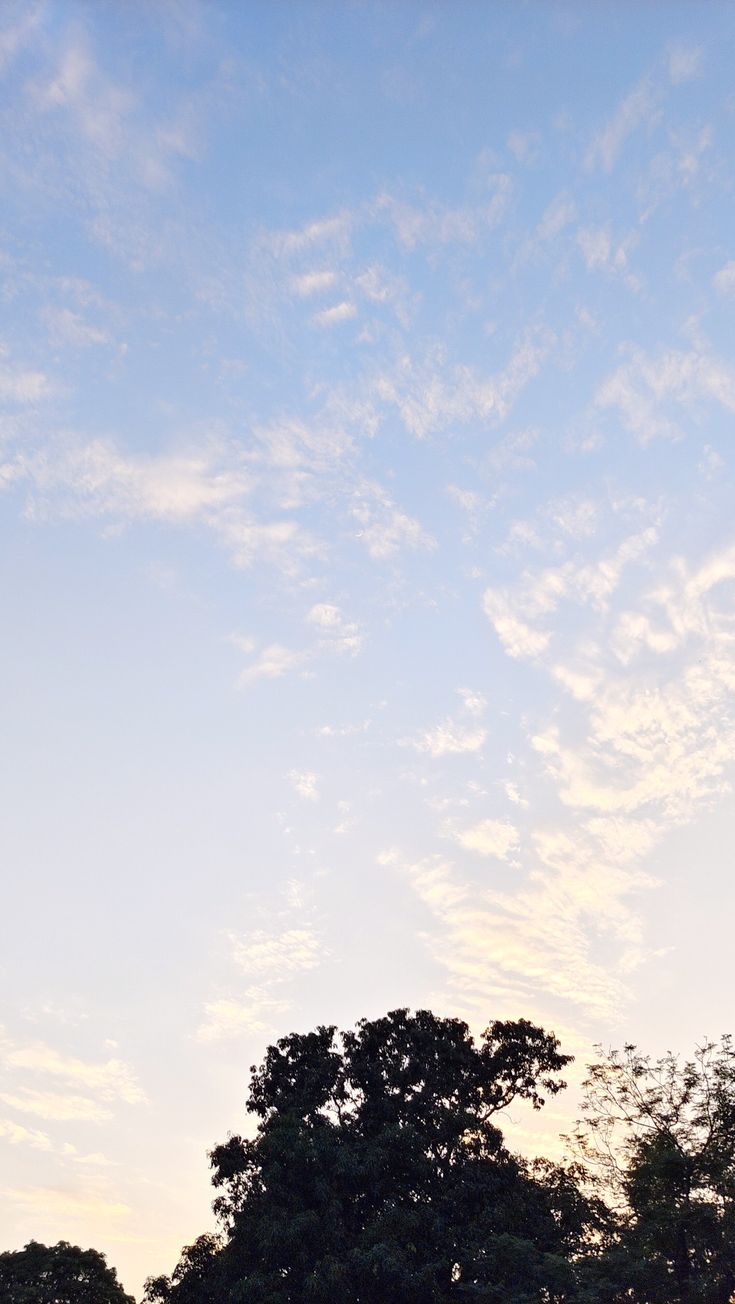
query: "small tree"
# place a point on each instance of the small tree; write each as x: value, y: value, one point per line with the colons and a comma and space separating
x: 58, y: 1274
x: 378, y: 1175
x: 660, y: 1135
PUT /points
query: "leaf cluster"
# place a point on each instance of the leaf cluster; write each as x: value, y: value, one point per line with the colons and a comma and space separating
x: 58, y: 1274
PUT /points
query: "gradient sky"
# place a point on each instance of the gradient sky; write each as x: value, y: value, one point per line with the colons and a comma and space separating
x: 367, y: 555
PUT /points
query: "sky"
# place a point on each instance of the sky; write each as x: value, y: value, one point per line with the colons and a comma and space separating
x: 367, y: 556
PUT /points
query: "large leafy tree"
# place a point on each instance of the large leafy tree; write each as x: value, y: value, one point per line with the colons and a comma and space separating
x: 378, y: 1175
x: 660, y: 1136
x: 58, y: 1274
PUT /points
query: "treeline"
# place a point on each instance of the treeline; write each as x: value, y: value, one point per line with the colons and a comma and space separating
x: 378, y: 1174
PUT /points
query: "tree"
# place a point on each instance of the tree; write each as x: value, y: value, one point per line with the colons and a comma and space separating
x: 378, y: 1175
x: 660, y: 1135
x: 58, y: 1274
x: 194, y: 1278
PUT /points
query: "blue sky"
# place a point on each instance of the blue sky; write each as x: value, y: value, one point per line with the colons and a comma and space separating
x: 368, y: 557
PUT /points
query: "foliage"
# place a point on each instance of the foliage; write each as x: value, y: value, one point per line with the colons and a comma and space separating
x: 194, y: 1278
x: 378, y: 1174
x: 660, y: 1135
x: 58, y: 1274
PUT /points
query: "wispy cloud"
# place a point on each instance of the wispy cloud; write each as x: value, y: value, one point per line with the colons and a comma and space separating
x: 111, y: 1079
x: 644, y: 388
x: 432, y: 395
x: 521, y: 615
x: 504, y: 949
x: 17, y: 1134
x: 43, y: 1201
x: 250, y: 1014
x: 305, y: 783
x: 19, y: 385
x: 56, y: 1106
x: 316, y: 282
x: 452, y: 737
x: 433, y: 223
x: 91, y: 1091
x: 724, y: 279
x: 639, y: 108
x: 334, y: 229
x: 559, y: 214
x: 383, y: 528
x: 16, y: 34
x: 602, y: 253
x: 277, y: 955
x: 336, y: 634
x: 273, y: 958
x: 273, y: 662
x: 336, y: 314
x: 685, y: 63
x: 99, y: 479
x: 496, y: 838
x: 658, y: 747
x: 68, y: 328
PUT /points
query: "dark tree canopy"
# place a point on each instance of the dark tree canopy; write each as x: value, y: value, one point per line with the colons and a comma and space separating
x: 58, y: 1274
x: 660, y: 1135
x: 378, y: 1175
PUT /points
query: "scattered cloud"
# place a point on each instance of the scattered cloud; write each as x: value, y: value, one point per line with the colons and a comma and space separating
x: 513, y: 793
x: 685, y: 62
x: 384, y: 529
x: 305, y: 783
x: 474, y: 703
x: 59, y: 1203
x: 91, y: 1088
x: 111, y: 1079
x: 431, y: 396
x: 645, y: 388
x: 268, y: 956
x: 436, y: 224
x: 316, y: 282
x: 17, y: 1134
x: 69, y: 329
x: 273, y: 958
x: 326, y: 615
x: 600, y: 253
x: 514, y: 613
x: 21, y: 386
x: 518, y: 637
x: 724, y: 280
x: 97, y: 478
x: 273, y: 662
x: 336, y: 314
x: 336, y: 634
x: 509, y: 947
x: 524, y: 145
x: 56, y: 1106
x: 495, y: 838
x: 639, y: 108
x: 15, y: 35
x: 449, y: 739
x: 335, y: 230
x: 252, y: 1014
x: 559, y: 214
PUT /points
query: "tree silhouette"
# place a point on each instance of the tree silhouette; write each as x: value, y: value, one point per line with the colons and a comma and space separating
x: 58, y: 1274
x: 378, y: 1174
x: 660, y: 1136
